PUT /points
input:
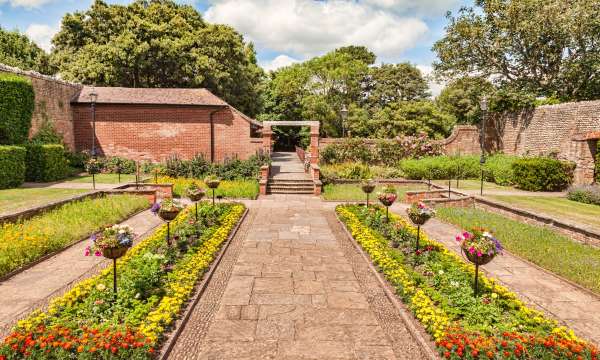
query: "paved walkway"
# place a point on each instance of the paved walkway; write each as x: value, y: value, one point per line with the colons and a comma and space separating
x: 291, y: 286
x: 572, y: 306
x: 287, y: 166
x: 33, y: 287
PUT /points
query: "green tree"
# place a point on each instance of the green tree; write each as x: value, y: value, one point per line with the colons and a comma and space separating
x: 412, y: 118
x: 18, y: 50
x: 157, y: 43
x: 395, y: 82
x: 462, y: 97
x: 545, y: 47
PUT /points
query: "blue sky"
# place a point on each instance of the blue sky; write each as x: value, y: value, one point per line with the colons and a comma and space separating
x: 285, y: 31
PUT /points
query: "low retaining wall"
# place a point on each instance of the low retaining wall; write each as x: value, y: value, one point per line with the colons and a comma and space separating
x: 439, y: 197
x: 162, y: 190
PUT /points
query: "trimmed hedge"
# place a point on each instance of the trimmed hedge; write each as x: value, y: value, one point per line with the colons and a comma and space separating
x: 498, y: 169
x: 46, y: 163
x: 587, y: 194
x: 16, y: 106
x: 441, y: 167
x: 542, y: 174
x: 12, y: 166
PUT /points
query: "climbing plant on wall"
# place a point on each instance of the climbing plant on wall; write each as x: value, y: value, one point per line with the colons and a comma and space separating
x: 16, y: 108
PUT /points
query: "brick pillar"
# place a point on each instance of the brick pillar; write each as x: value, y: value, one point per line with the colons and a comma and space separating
x: 584, y: 172
x: 314, y: 145
x: 267, y: 139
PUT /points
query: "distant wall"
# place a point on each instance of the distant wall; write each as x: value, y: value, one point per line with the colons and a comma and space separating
x: 52, y: 103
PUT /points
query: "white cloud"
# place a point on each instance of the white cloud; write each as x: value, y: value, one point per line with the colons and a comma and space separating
x: 278, y: 62
x: 42, y: 35
x: 29, y: 4
x: 434, y: 87
x: 306, y: 28
x: 419, y: 7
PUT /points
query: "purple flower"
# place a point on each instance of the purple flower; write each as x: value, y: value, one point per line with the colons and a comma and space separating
x: 94, y: 237
x: 498, y: 245
x: 155, y: 207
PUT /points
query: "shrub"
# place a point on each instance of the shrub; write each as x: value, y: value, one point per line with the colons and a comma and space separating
x: 498, y: 169
x: 349, y: 150
x: 77, y: 159
x: 12, y: 166
x: 587, y: 194
x: 46, y: 163
x: 542, y: 174
x: 231, y: 169
x: 116, y: 164
x: 16, y: 107
x: 345, y: 171
x: 441, y: 167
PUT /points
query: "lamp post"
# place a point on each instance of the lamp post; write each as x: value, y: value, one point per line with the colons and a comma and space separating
x: 93, y: 98
x: 344, y: 113
x: 483, y: 104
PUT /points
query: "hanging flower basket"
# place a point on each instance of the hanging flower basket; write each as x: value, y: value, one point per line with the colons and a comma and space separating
x: 368, y: 187
x: 212, y: 182
x: 168, y: 215
x: 114, y: 253
x: 195, y: 193
x: 112, y: 243
x: 419, y: 213
x: 167, y: 209
x: 479, y: 246
x: 478, y: 260
x: 388, y: 196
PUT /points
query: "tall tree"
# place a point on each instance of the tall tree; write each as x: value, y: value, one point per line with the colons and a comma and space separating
x: 395, y: 82
x: 546, y: 47
x: 18, y: 50
x: 157, y: 43
x: 461, y: 98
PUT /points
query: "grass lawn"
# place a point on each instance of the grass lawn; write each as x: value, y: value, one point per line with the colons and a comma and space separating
x: 474, y: 185
x: 13, y: 200
x: 544, y: 247
x: 560, y: 208
x: 353, y: 192
x: 26, y: 241
x: 103, y: 178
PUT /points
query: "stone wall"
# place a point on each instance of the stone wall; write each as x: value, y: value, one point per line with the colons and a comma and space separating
x: 568, y: 130
x: 154, y: 132
x: 52, y: 103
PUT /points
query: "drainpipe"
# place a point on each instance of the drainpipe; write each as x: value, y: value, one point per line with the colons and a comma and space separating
x: 212, y: 135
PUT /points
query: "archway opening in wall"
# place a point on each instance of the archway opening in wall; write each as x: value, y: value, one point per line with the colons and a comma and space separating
x: 286, y: 138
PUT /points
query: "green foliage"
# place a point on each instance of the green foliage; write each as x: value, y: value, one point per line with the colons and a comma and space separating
x: 441, y: 167
x: 541, y: 47
x: 46, y: 134
x: 46, y: 162
x: 16, y: 108
x: 27, y: 241
x: 18, y: 50
x: 542, y: 174
x: 461, y: 98
x: 157, y: 44
x: 587, y: 194
x: 498, y: 169
x: 356, y: 171
x: 12, y: 166
x: 412, y: 118
x: 231, y: 169
x: 390, y: 83
x: 78, y: 159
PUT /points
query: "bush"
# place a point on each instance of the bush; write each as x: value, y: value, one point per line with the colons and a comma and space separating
x: 587, y: 194
x: 231, y: 169
x: 16, y: 107
x: 498, y: 169
x: 441, y: 167
x: 77, y: 159
x: 12, y: 166
x: 46, y: 163
x: 116, y: 164
x: 542, y: 174
x: 349, y: 150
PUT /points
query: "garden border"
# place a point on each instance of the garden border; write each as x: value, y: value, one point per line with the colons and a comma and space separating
x: 28, y: 266
x: 171, y: 340
x: 413, y: 326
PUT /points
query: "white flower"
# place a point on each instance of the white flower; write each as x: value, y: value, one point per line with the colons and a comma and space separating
x: 487, y: 234
x: 454, y: 283
x: 121, y: 231
x: 441, y: 272
x: 101, y: 287
x: 494, y: 296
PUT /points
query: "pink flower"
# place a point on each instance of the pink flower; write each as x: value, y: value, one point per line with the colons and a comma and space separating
x: 87, y: 251
x: 471, y: 250
x: 458, y: 238
x: 479, y: 254
x: 98, y: 253
x: 466, y: 235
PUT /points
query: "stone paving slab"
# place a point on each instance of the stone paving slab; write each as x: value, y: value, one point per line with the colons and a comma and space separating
x: 33, y: 287
x: 563, y: 301
x: 309, y: 295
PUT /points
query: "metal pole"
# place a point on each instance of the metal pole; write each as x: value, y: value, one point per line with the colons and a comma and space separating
x: 115, y: 278
x: 213, y: 190
x: 449, y: 188
x: 196, y: 211
x: 418, y: 236
x: 169, y: 232
x: 367, y: 199
x: 481, y: 191
x: 94, y: 180
x: 476, y: 279
x: 93, y: 129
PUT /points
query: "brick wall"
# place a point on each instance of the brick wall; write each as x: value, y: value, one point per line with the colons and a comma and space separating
x: 154, y: 132
x: 52, y: 102
x: 463, y: 140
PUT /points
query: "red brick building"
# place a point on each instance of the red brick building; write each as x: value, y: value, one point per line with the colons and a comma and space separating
x: 152, y: 124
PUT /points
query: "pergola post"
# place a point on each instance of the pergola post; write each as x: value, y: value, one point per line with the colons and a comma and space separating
x: 267, y: 135
x: 314, y: 145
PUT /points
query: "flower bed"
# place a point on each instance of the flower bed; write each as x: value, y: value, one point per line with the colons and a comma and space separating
x: 155, y: 281
x: 24, y: 242
x: 436, y: 285
x: 231, y: 189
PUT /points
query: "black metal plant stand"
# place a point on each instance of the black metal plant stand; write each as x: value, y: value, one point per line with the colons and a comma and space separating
x: 367, y: 199
x: 213, y: 197
x: 94, y: 180
x: 119, y: 174
x: 476, y: 285
x: 418, y: 236
x: 168, y: 232
x: 196, y: 211
x: 115, y: 278
x: 449, y: 188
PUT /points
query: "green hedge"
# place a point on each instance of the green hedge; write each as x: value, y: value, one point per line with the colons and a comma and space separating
x: 16, y: 108
x: 46, y: 163
x: 441, y: 167
x: 12, y: 166
x: 542, y: 174
x: 498, y: 169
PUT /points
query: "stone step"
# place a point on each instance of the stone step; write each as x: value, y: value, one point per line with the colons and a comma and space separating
x: 289, y: 191
x: 290, y: 181
x: 277, y: 187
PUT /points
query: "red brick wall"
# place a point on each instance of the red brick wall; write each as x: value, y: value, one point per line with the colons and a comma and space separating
x: 52, y: 103
x: 153, y: 132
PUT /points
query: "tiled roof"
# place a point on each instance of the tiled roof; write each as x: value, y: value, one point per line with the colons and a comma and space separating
x: 154, y: 96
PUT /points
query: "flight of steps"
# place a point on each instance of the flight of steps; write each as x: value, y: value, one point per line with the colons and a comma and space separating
x: 289, y: 186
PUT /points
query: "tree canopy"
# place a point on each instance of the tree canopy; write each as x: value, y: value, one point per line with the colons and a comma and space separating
x: 157, y: 43
x: 544, y: 47
x: 17, y: 50
x: 461, y: 97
